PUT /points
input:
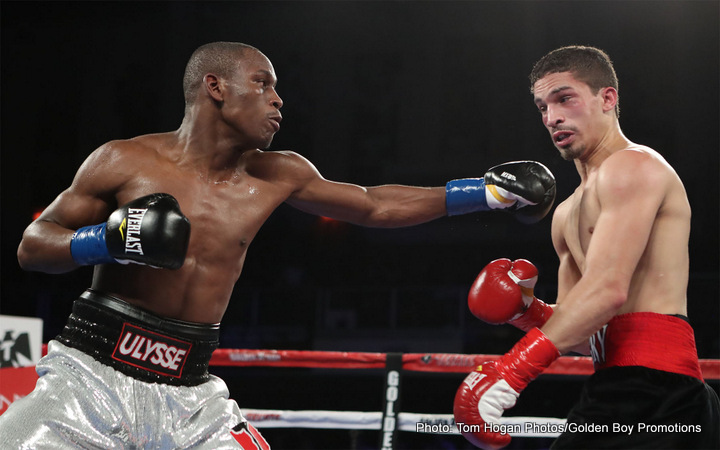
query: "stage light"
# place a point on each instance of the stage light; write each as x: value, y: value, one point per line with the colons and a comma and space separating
x: 37, y: 213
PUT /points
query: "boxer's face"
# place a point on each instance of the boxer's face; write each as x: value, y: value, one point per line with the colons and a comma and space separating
x: 251, y: 103
x: 571, y: 113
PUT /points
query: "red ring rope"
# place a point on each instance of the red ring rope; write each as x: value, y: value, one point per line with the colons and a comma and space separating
x: 419, y: 362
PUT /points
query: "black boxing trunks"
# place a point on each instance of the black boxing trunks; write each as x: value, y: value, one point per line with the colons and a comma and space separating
x: 138, y: 343
x: 647, y: 391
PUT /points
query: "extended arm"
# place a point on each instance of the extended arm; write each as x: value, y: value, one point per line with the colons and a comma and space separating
x: 526, y: 188
x: 380, y: 206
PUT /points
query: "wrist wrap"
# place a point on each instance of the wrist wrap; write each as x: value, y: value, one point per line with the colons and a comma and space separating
x: 465, y: 195
x: 534, y: 317
x: 88, y: 246
x: 527, y: 359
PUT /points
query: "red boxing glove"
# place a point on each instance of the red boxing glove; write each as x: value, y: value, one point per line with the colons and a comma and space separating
x: 503, y: 293
x: 495, y: 386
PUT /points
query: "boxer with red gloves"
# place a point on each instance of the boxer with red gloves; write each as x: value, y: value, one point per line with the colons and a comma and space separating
x: 503, y: 293
x: 495, y: 386
x: 622, y: 243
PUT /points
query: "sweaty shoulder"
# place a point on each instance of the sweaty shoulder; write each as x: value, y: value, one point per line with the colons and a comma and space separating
x: 116, y: 162
x: 280, y: 167
x: 129, y: 151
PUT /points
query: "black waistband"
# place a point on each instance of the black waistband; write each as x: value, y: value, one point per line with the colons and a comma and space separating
x: 681, y: 316
x: 139, y: 343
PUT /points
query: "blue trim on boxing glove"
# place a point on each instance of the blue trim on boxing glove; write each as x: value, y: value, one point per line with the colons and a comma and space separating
x: 465, y: 196
x: 88, y: 246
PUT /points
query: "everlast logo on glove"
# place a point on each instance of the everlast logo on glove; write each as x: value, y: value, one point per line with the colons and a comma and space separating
x: 149, y: 230
x: 151, y: 351
x: 131, y: 228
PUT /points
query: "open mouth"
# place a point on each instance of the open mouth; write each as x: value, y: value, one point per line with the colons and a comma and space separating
x: 561, y: 137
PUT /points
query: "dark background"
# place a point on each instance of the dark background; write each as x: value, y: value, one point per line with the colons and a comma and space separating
x: 375, y: 92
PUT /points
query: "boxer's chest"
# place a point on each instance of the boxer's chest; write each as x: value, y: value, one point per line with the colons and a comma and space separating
x: 225, y: 215
x: 581, y: 221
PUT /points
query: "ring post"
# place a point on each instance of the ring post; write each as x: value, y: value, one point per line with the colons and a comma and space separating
x: 391, y: 402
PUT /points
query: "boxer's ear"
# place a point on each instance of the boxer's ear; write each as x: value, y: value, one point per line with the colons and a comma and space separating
x: 610, y: 98
x: 213, y: 86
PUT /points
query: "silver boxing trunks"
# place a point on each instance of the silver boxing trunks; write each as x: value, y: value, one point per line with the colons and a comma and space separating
x: 119, y: 377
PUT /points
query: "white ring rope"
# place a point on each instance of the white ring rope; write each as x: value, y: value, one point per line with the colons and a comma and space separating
x: 533, y: 427
x: 547, y: 427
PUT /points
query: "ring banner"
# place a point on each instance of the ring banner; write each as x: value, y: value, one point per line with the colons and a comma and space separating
x: 391, y: 402
x: 20, y: 349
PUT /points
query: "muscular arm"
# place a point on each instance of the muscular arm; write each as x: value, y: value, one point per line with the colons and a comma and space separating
x: 380, y: 206
x: 45, y: 244
x: 628, y: 207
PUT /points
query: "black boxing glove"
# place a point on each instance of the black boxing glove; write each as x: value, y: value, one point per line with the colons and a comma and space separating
x: 530, y: 183
x: 150, y: 230
x: 525, y: 188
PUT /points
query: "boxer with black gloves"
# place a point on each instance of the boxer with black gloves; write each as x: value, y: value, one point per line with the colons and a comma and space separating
x: 143, y: 333
x: 524, y: 188
x: 150, y: 230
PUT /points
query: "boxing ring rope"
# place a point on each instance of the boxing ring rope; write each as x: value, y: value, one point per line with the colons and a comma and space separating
x: 390, y: 419
x: 413, y: 422
x: 403, y: 421
x: 420, y: 362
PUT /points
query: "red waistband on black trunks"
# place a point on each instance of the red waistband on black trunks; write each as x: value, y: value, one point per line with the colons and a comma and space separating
x: 139, y: 343
x: 647, y: 339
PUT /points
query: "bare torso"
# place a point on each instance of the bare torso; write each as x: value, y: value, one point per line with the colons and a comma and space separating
x: 225, y: 211
x: 227, y: 194
x: 224, y: 185
x: 659, y: 281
